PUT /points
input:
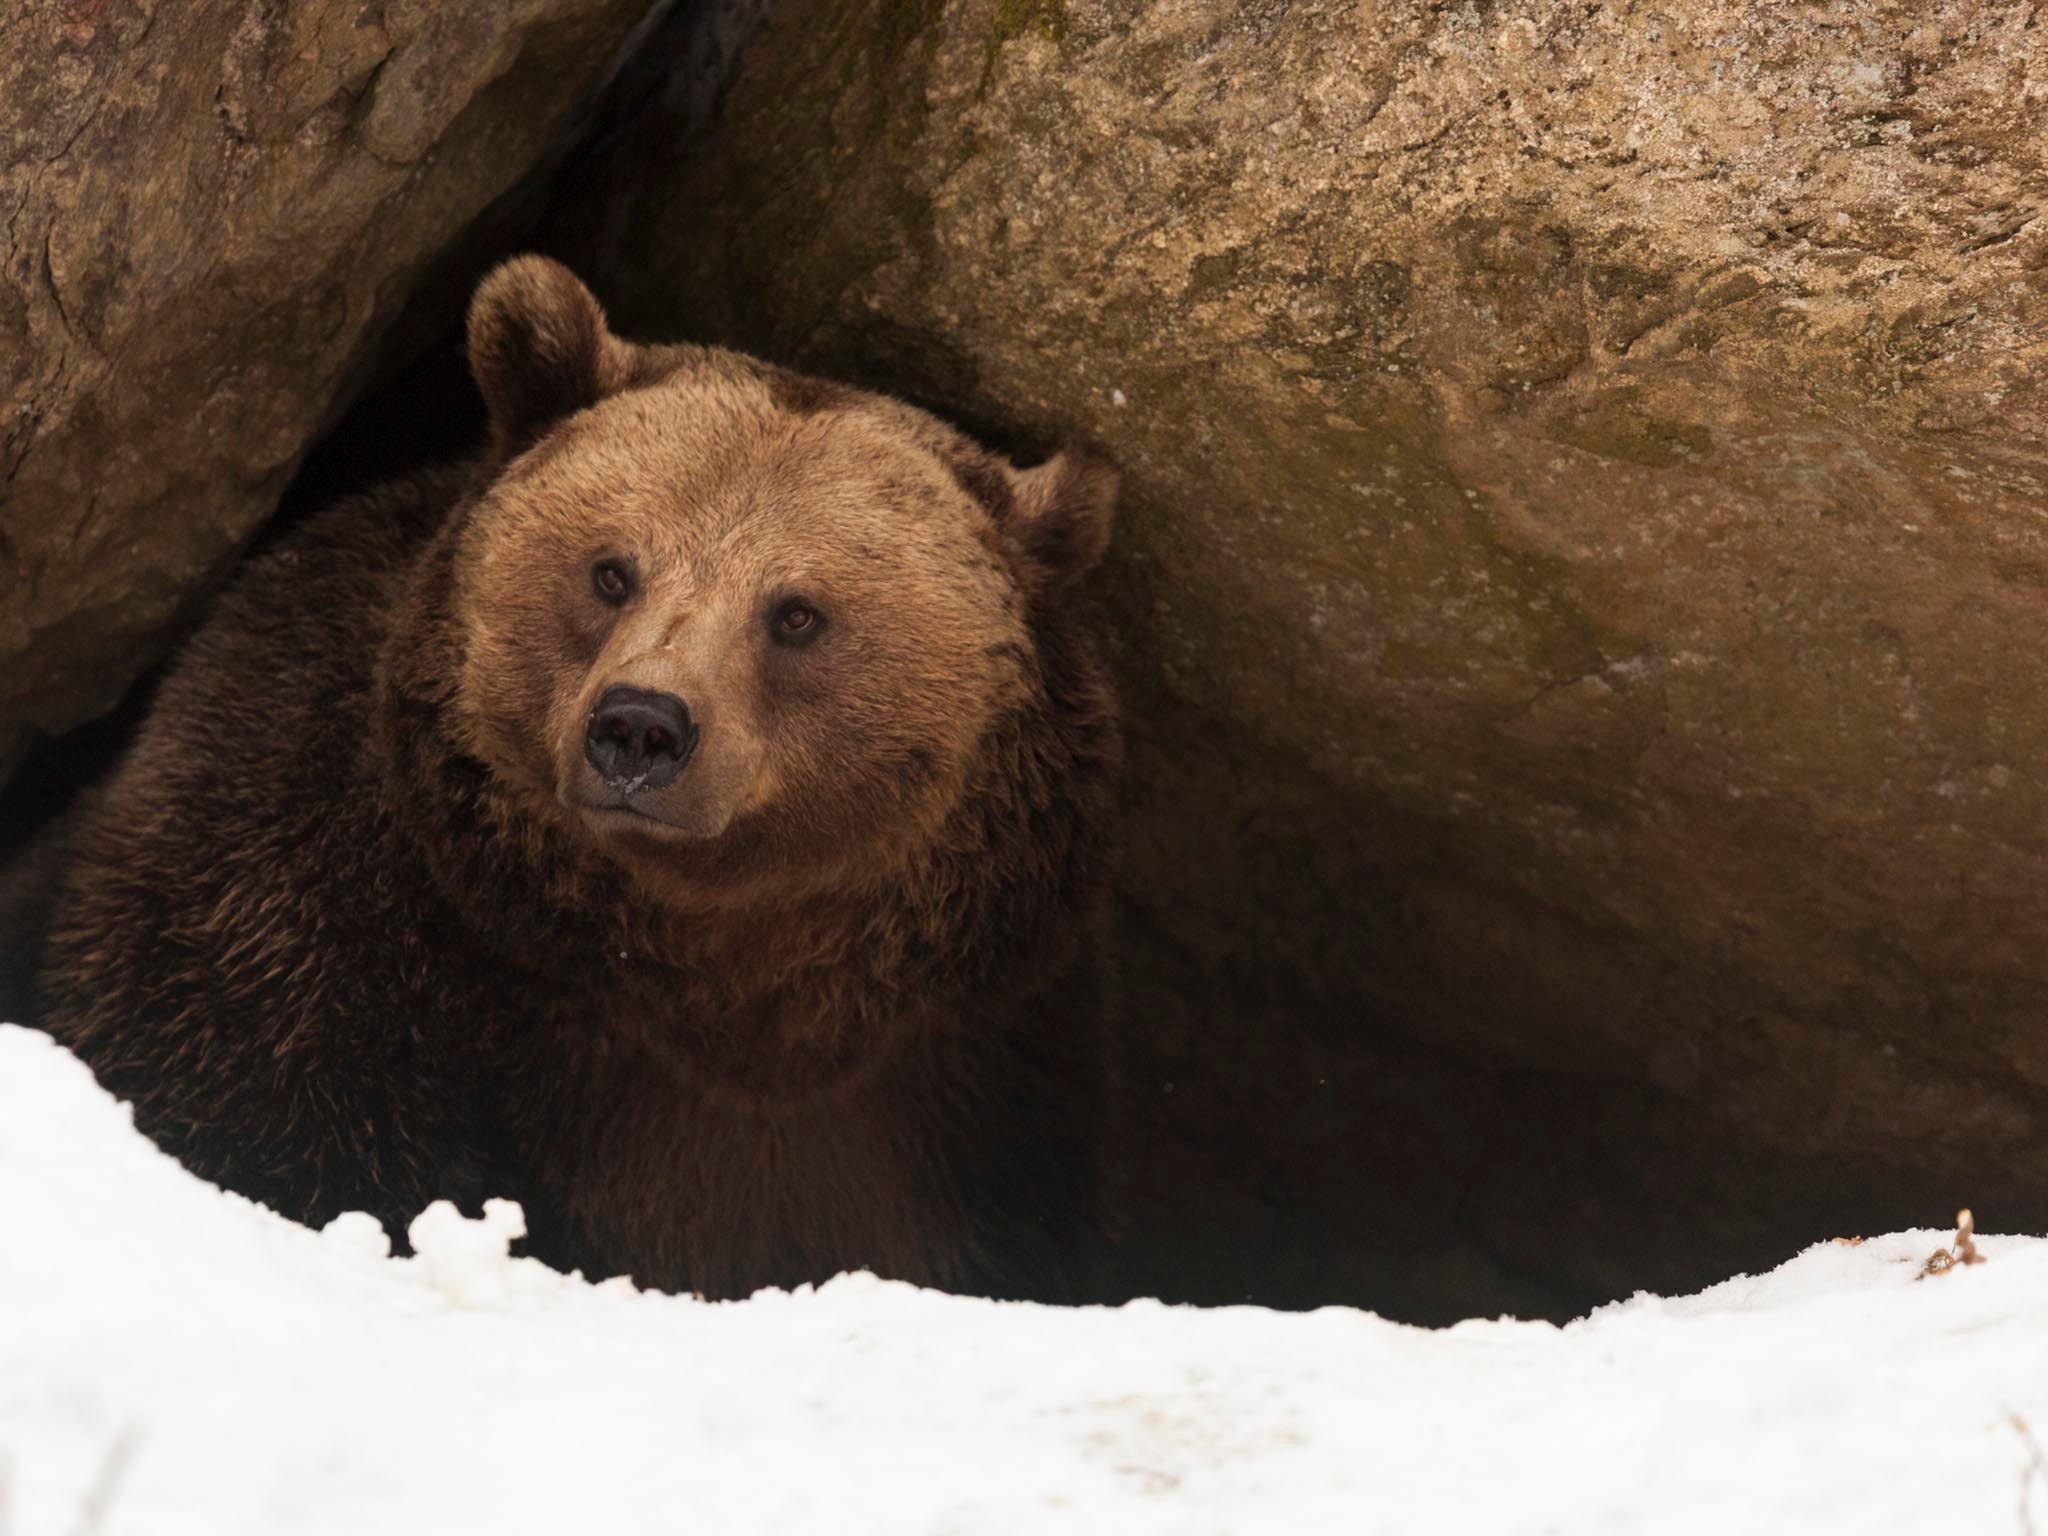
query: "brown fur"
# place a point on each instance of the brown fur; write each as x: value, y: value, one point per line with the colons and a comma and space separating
x: 351, y: 929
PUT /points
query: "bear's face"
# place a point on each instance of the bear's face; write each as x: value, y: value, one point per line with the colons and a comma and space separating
x: 689, y: 612
x: 726, y: 621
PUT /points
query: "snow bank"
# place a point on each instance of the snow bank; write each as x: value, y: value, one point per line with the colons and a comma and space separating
x: 174, y: 1360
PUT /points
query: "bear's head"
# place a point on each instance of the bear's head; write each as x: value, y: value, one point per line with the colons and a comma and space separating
x: 729, y: 622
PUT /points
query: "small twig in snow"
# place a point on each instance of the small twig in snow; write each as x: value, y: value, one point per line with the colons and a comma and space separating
x: 1941, y: 1261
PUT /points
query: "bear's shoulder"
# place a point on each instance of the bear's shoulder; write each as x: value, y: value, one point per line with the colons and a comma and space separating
x: 244, y: 858
x: 335, y: 570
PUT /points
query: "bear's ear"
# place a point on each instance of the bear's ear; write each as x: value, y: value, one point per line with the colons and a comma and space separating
x: 1060, y: 517
x: 539, y: 350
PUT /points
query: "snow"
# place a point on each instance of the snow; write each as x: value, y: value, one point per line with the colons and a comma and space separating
x: 174, y: 1360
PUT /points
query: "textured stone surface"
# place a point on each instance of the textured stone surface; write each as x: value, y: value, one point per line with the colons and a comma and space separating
x: 1580, y: 581
x: 209, y: 210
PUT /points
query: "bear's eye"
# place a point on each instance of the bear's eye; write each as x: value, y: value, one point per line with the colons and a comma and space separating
x: 795, y: 622
x: 613, y: 581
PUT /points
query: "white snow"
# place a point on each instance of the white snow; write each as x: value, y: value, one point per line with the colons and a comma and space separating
x: 175, y: 1360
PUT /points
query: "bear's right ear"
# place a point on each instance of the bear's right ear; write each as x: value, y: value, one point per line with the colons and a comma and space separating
x: 539, y: 350
x: 1059, y: 524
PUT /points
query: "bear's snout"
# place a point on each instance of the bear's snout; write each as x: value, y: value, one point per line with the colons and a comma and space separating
x: 638, y: 740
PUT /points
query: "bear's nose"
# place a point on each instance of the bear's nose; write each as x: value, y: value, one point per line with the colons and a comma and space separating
x: 638, y: 740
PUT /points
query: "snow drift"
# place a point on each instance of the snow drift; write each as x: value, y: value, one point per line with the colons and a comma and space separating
x: 173, y: 1360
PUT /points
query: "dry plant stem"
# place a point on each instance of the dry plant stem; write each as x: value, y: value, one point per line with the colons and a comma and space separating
x: 1966, y: 1239
x: 2036, y: 1466
x: 99, y: 1499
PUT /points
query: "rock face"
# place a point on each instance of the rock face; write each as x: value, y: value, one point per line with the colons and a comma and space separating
x: 1586, y: 547
x: 209, y: 211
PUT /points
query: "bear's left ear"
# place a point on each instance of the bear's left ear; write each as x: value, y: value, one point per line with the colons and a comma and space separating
x: 1060, y: 517
x: 539, y: 350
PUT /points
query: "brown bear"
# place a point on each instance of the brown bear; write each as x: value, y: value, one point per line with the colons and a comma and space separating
x: 691, y: 819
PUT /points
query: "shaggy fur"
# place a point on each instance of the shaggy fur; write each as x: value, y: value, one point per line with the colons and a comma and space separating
x: 353, y: 926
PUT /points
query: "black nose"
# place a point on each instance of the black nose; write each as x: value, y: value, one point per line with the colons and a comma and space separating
x: 639, y: 740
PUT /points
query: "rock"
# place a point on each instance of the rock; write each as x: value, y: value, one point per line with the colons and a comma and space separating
x: 211, y: 211
x: 1579, y: 580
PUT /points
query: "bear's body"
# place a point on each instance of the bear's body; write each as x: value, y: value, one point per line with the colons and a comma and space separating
x: 375, y: 911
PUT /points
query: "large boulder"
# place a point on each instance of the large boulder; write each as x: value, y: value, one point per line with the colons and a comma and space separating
x: 210, y: 210
x: 1586, y: 544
